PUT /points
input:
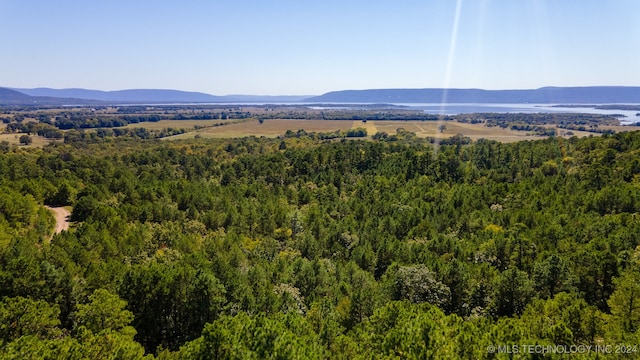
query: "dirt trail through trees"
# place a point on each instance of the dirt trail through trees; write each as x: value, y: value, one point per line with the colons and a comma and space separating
x: 62, y: 218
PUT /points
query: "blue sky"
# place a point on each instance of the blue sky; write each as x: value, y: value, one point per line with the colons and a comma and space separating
x: 302, y: 47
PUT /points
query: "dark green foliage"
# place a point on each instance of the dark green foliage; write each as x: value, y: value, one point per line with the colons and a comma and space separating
x: 512, y: 292
x: 170, y: 302
x: 26, y: 140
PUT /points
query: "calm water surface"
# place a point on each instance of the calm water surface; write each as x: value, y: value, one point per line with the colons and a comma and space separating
x: 630, y: 117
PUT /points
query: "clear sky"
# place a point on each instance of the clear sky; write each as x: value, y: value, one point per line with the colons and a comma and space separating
x: 304, y: 47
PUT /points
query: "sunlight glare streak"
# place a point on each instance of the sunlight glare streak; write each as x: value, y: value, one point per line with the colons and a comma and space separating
x: 452, y: 49
x: 449, y: 69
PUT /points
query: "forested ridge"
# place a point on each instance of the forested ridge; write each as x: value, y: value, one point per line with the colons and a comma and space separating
x: 300, y: 248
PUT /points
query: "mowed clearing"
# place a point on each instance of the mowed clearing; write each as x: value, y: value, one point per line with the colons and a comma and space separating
x: 274, y: 128
x: 452, y: 128
x: 269, y: 128
x: 38, y: 141
x: 369, y: 125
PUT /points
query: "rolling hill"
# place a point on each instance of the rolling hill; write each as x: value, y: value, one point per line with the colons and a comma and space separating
x: 8, y: 96
x: 153, y: 96
x: 13, y: 97
x: 546, y: 95
x: 126, y: 96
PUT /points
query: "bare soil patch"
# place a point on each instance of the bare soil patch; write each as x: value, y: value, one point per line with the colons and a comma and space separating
x: 62, y: 216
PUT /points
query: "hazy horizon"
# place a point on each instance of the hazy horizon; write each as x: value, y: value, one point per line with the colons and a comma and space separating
x: 302, y: 95
x: 292, y: 48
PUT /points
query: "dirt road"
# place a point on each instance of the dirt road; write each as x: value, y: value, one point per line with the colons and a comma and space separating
x: 62, y: 218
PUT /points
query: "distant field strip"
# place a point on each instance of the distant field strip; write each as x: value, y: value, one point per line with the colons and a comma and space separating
x: 269, y: 128
x: 277, y: 127
x: 176, y: 124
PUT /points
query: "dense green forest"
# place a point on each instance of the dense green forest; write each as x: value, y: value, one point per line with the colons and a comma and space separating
x: 301, y: 248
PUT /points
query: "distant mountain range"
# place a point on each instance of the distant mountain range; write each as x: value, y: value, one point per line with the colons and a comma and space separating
x: 9, y: 96
x: 137, y: 95
x: 13, y: 97
x: 546, y: 95
x: 152, y: 96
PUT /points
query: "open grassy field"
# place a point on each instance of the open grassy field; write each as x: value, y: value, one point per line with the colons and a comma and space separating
x: 619, y: 128
x: 479, y: 131
x: 274, y: 128
x: 269, y: 128
x: 369, y: 125
x: 38, y: 141
x: 451, y: 128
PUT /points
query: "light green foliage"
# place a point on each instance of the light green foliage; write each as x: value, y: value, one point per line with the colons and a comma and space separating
x: 108, y: 344
x: 564, y: 320
x: 25, y: 317
x: 262, y: 337
x: 417, y: 284
x: 625, y: 300
x: 104, y: 311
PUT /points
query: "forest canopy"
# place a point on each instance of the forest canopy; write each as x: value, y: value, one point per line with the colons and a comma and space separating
x: 346, y: 248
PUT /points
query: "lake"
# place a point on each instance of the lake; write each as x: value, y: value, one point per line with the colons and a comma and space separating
x: 630, y: 117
